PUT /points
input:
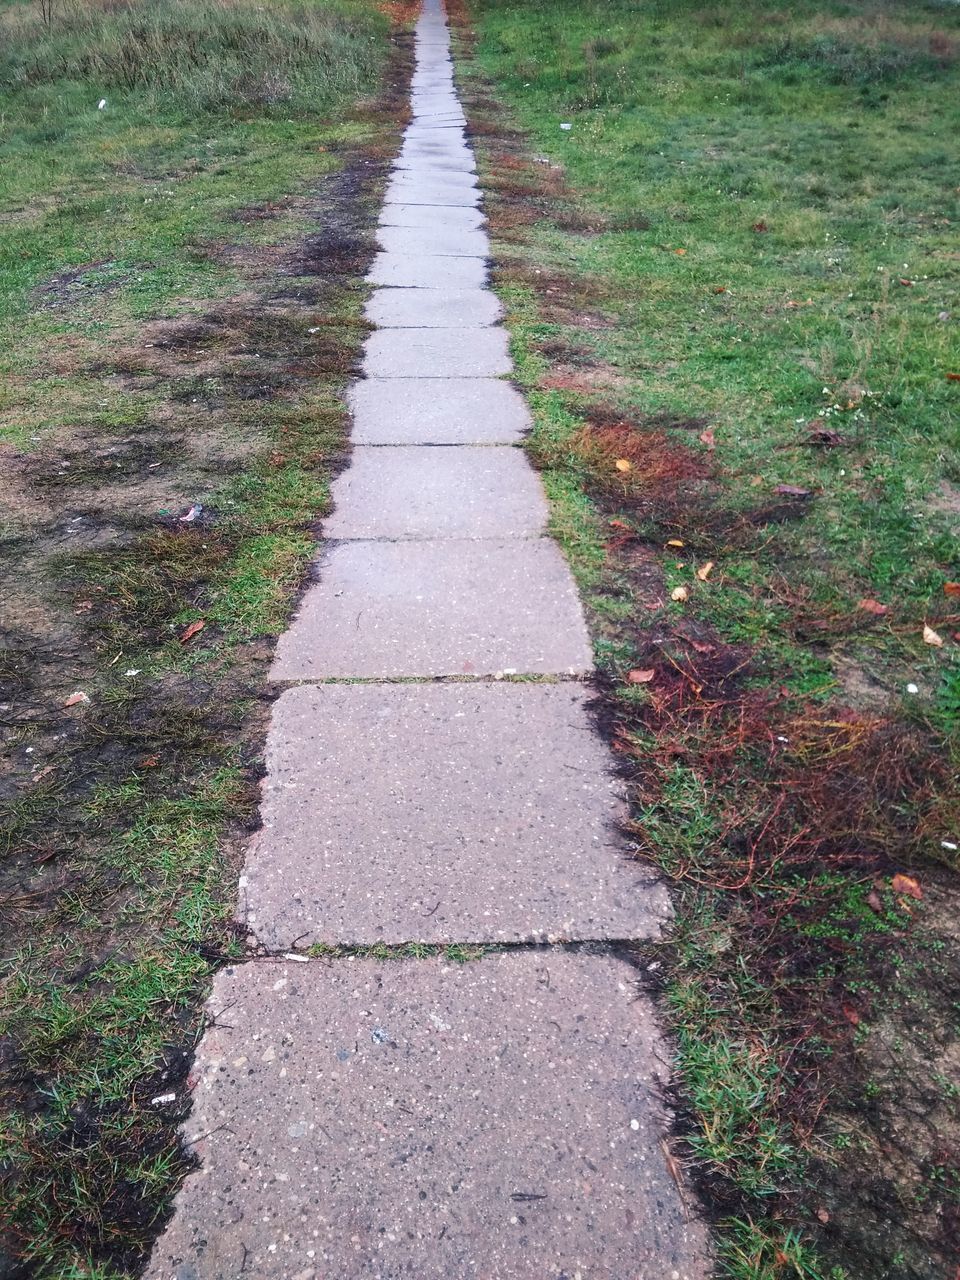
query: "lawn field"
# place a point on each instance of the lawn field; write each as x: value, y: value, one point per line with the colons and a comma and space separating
x: 187, y: 191
x: 727, y: 238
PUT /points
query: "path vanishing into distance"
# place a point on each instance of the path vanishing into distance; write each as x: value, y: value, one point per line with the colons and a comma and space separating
x: 418, y: 1117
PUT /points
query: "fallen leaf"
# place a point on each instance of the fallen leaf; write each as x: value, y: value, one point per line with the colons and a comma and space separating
x: 149, y: 762
x: 619, y: 524
x: 873, y: 901
x: 823, y: 1215
x: 906, y: 885
x: 906, y: 283
x: 722, y: 288
x: 76, y: 699
x: 622, y: 464
x: 703, y: 573
x: 700, y: 647
x: 951, y: 588
x: 760, y: 226
x: 679, y: 252
x: 640, y: 677
x: 679, y: 593
x: 83, y: 606
x: 192, y: 630
x: 708, y: 438
x: 930, y: 637
x: 755, y: 481
x: 953, y: 377
x: 675, y: 542
x: 792, y: 491
x: 44, y: 773
x: 851, y: 1015
x: 874, y: 606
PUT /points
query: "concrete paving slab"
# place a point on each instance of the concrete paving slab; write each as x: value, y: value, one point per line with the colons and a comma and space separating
x: 443, y: 241
x: 436, y: 353
x: 411, y: 491
x: 409, y: 411
x: 436, y: 609
x: 442, y: 167
x: 427, y: 215
x: 427, y: 271
x: 433, y: 308
x: 422, y: 135
x: 498, y: 1120
x: 411, y: 188
x: 440, y: 813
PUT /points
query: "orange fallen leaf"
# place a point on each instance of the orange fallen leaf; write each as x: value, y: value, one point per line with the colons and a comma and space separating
x: 908, y: 284
x: 874, y: 606
x: 76, y: 699
x: 679, y: 252
x: 953, y: 377
x: 704, y: 572
x: 722, y: 288
x: 906, y: 885
x: 679, y: 594
x: 149, y: 762
x: 930, y: 637
x: 641, y: 677
x: 708, y: 438
x: 951, y: 588
x: 622, y: 464
x: 192, y: 630
x: 851, y: 1015
x: 619, y: 524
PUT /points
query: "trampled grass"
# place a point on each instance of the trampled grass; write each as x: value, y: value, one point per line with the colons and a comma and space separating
x: 179, y: 305
x: 726, y: 237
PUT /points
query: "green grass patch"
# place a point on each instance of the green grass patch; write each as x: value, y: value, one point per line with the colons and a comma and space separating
x: 732, y: 292
x: 180, y: 294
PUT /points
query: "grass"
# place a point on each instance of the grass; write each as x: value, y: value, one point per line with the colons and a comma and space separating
x: 732, y: 292
x: 180, y: 295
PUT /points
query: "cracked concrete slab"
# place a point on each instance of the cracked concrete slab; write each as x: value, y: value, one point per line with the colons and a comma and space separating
x: 404, y: 491
x: 442, y: 813
x: 413, y: 189
x: 436, y: 353
x: 496, y: 1120
x: 436, y: 608
x: 432, y: 308
x: 410, y: 411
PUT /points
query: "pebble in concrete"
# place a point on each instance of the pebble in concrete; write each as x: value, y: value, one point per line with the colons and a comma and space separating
x: 496, y: 1120
x: 437, y: 608
x: 442, y: 813
x: 402, y: 491
x: 409, y: 411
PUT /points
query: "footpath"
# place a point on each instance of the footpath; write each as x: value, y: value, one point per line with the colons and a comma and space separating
x: 433, y: 777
